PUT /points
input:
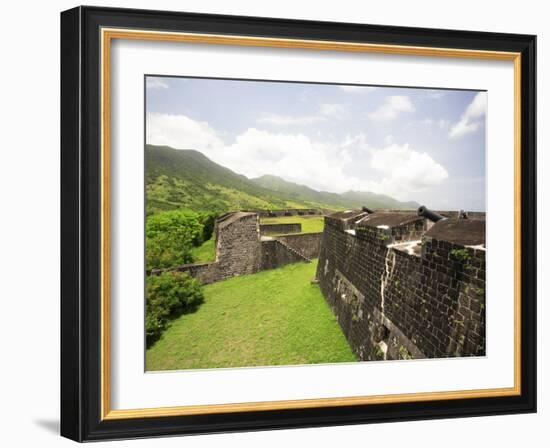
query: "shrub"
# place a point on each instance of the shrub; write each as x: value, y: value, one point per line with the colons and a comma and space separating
x: 207, y: 220
x: 170, y: 236
x: 168, y: 295
x: 461, y: 255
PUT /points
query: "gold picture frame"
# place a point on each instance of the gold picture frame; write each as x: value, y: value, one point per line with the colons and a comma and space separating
x: 108, y: 30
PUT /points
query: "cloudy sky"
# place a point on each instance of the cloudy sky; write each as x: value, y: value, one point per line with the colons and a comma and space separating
x: 424, y: 145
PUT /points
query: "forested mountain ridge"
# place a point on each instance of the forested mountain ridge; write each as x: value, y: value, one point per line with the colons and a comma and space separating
x: 188, y: 179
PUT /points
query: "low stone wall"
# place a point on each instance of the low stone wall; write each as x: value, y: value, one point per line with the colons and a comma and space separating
x: 456, y: 214
x: 204, y: 272
x: 240, y: 250
x: 307, y: 244
x: 275, y: 254
x: 237, y: 249
x: 280, y: 228
x: 290, y: 212
x: 395, y: 305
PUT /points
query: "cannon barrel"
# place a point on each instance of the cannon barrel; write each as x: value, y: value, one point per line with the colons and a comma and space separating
x: 368, y: 210
x: 425, y: 212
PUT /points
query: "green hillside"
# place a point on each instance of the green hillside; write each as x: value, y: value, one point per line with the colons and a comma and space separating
x: 188, y: 179
x: 350, y: 199
x: 302, y: 193
x: 377, y: 201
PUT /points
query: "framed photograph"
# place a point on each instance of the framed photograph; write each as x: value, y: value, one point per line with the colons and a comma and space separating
x: 274, y: 223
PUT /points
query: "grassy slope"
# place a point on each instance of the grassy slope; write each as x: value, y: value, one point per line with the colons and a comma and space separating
x: 274, y: 317
x: 310, y: 224
x: 205, y: 252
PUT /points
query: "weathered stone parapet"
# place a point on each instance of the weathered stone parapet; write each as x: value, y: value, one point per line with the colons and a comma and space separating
x: 238, y: 245
x: 307, y: 244
x: 276, y: 254
x: 395, y: 303
x: 237, y: 249
x: 204, y: 272
x: 280, y: 228
x: 290, y: 212
x: 241, y: 250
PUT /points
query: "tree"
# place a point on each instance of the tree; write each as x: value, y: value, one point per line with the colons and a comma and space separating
x: 170, y: 236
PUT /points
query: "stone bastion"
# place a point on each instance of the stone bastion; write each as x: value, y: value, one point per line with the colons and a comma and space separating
x: 242, y: 248
x: 402, y: 286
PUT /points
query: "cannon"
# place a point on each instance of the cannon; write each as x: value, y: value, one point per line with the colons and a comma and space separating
x: 425, y: 212
x: 366, y: 209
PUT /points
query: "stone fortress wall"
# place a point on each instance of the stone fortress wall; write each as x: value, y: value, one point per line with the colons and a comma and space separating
x: 280, y: 228
x: 403, y: 286
x: 290, y: 212
x: 307, y: 244
x: 241, y: 248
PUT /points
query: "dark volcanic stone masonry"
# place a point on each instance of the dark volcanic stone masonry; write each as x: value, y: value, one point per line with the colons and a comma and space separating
x: 403, y: 287
x: 290, y: 212
x: 271, y: 229
x: 307, y: 244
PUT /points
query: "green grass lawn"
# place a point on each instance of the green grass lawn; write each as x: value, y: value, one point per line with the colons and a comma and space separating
x: 310, y: 224
x: 274, y: 317
x: 205, y: 252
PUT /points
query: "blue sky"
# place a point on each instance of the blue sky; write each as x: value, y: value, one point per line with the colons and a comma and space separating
x: 416, y: 144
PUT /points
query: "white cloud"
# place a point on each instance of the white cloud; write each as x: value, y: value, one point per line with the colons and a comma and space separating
x: 443, y: 124
x: 295, y: 157
x: 472, y: 118
x: 434, y: 94
x: 155, y: 83
x: 463, y: 127
x: 323, y: 164
x: 289, y: 120
x: 326, y: 111
x: 180, y: 132
x: 392, y: 107
x: 405, y: 171
x: 357, y: 89
x: 333, y: 110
